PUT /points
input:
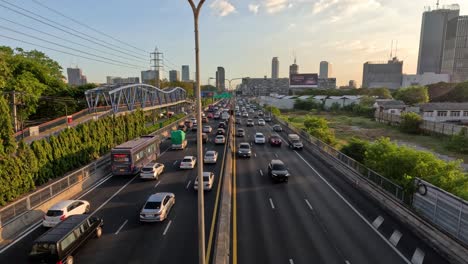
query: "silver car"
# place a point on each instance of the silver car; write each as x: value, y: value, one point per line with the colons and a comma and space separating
x: 157, y: 207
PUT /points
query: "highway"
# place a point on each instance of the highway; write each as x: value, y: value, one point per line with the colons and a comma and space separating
x: 314, y: 218
x: 119, y: 200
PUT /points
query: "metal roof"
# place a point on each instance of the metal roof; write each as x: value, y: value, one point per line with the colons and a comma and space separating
x: 447, y: 106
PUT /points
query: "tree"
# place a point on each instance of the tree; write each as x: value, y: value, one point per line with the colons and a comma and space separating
x: 367, y: 101
x: 459, y: 93
x: 7, y: 141
x: 459, y: 142
x: 306, y: 104
x: 413, y: 95
x: 382, y: 93
x: 318, y: 127
x: 275, y: 111
x: 356, y: 149
x: 410, y: 122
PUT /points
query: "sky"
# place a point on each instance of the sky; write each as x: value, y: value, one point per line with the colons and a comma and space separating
x: 241, y: 35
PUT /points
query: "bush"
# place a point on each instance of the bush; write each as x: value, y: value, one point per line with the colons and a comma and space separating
x: 410, y: 123
x: 356, y: 149
x: 318, y: 127
x: 459, y: 143
x: 306, y: 105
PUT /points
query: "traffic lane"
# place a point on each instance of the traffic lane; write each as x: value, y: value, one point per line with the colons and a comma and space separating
x: 371, y: 210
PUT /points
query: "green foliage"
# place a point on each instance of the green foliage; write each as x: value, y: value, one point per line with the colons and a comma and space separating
x: 275, y: 111
x: 367, y: 101
x: 356, y: 149
x: 307, y: 105
x: 359, y: 110
x: 459, y: 143
x: 318, y: 127
x: 335, y: 107
x: 412, y: 95
x: 449, y: 92
x: 410, y: 122
x: 382, y: 93
x: 7, y: 141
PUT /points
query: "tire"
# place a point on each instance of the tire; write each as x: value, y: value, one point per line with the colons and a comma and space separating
x: 69, y: 260
x: 98, y: 232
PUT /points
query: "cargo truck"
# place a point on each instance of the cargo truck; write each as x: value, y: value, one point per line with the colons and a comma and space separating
x: 178, y: 139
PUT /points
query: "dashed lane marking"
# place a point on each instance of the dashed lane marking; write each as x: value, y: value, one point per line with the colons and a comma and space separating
x: 308, y: 204
x: 395, y: 238
x: 167, y: 227
x: 188, y: 185
x: 120, y: 228
x: 378, y: 221
x: 261, y: 172
x: 272, y: 205
x: 156, y: 185
x: 418, y: 256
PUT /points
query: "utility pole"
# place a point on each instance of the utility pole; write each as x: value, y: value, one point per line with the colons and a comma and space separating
x: 198, y: 111
x: 156, y: 65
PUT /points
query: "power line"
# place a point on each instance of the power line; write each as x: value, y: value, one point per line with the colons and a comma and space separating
x: 84, y: 25
x: 76, y: 43
x: 73, y: 34
x: 63, y: 46
x: 66, y: 52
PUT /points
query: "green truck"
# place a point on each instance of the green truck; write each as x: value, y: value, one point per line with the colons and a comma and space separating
x: 178, y: 139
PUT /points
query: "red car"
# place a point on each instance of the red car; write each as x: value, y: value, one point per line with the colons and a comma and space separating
x: 210, y: 115
x: 275, y: 141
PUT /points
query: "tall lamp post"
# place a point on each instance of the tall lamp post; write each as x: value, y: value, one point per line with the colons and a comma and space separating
x: 201, y: 212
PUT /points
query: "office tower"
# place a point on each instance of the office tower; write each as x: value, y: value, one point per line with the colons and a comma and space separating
x: 380, y: 74
x: 174, y: 76
x: 220, y: 79
x: 185, y: 73
x: 75, y: 77
x: 294, y: 68
x: 275, y: 68
x: 325, y: 69
x: 150, y: 77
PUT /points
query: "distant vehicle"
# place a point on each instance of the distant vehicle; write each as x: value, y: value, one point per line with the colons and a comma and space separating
x: 64, y: 209
x: 59, y: 244
x: 238, y: 121
x: 152, y: 170
x: 188, y: 162
x: 225, y: 116
x: 194, y: 127
x: 294, y: 141
x: 182, y: 127
x: 250, y: 123
x: 277, y: 128
x: 128, y: 158
x: 261, y: 122
x: 211, y: 156
x: 178, y: 140
x: 220, y: 131
x: 188, y: 123
x: 204, y: 119
x: 278, y: 171
x: 244, y: 150
x: 240, y: 132
x: 222, y: 124
x: 217, y: 115
x: 207, y: 129
x: 259, y: 138
x: 204, y: 137
x: 267, y: 118
x: 210, y: 115
x: 220, y: 139
x: 208, y: 181
x: 275, y: 140
x: 157, y: 207
x: 193, y: 120
x: 245, y: 114
x: 260, y: 113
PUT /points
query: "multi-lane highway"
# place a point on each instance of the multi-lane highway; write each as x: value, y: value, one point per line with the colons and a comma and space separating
x: 119, y: 200
x: 314, y: 218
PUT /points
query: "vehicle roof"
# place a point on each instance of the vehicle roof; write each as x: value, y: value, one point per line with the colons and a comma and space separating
x: 244, y: 144
x: 136, y: 142
x: 239, y: 129
x: 276, y: 161
x: 258, y: 134
x: 62, y: 204
x: 207, y: 173
x: 219, y: 136
x: 210, y: 151
x: 58, y: 232
x: 158, y: 197
x: 189, y: 157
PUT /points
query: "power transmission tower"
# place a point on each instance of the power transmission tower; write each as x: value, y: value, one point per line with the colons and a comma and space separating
x: 156, y: 64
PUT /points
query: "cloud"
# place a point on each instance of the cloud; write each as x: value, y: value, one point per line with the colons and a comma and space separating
x: 291, y: 26
x: 253, y: 8
x: 338, y: 10
x: 275, y: 6
x: 222, y: 7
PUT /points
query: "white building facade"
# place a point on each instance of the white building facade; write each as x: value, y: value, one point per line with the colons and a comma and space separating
x: 424, y: 79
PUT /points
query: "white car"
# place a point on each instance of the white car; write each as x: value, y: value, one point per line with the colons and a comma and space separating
x: 245, y: 114
x: 157, y: 207
x: 208, y: 180
x: 194, y: 120
x: 63, y: 209
x: 220, y: 139
x: 261, y: 122
x: 211, y: 156
x: 188, y: 162
x: 207, y: 129
x: 152, y: 171
x: 259, y: 138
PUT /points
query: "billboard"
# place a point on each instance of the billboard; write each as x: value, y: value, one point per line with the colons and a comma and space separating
x: 303, y: 80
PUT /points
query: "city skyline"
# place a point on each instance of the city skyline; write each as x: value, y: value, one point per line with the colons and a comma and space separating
x: 321, y: 30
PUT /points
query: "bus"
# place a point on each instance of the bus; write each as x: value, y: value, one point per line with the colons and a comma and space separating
x: 128, y: 158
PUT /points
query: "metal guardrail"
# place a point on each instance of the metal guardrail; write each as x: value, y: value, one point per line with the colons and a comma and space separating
x: 12, y: 211
x: 367, y: 174
x: 445, y: 210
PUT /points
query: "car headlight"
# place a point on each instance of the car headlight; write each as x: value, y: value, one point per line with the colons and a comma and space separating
x: 287, y: 175
x: 274, y: 174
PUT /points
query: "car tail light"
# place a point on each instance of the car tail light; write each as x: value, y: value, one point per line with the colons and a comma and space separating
x: 59, y: 262
x: 62, y: 217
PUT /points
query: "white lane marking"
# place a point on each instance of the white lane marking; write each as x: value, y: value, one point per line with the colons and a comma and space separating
x: 165, y: 151
x: 94, y: 187
x: 156, y: 185
x: 174, y: 163
x: 261, y: 172
x: 354, y: 209
x: 276, y: 155
x: 308, y: 204
x: 378, y: 221
x: 255, y: 154
x: 418, y: 256
x: 271, y: 203
x: 347, y: 262
x: 167, y: 227
x: 120, y: 228
x: 188, y: 184
x: 395, y: 238
x: 291, y: 261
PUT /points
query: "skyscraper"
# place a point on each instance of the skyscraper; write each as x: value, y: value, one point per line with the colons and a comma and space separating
x: 294, y: 68
x: 75, y: 77
x: 275, y: 68
x: 174, y: 76
x: 185, y: 73
x: 220, y: 79
x: 436, y: 26
x: 454, y: 60
x: 149, y: 77
x: 325, y: 69
x: 380, y: 74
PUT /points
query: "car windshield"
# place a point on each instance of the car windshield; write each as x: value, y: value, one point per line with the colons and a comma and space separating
x: 209, y: 154
x: 279, y: 167
x: 54, y: 213
x: 147, y: 169
x: 187, y: 160
x: 244, y: 146
x: 153, y: 205
x: 259, y: 136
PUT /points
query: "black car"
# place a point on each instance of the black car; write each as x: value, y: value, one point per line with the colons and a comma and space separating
x: 278, y: 171
x: 220, y: 131
x: 240, y: 132
x: 250, y: 123
x: 238, y: 121
x: 277, y: 128
x: 60, y: 243
x: 222, y: 125
x: 182, y: 127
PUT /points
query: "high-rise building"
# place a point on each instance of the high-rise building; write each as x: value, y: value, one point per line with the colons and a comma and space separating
x: 455, y: 58
x: 185, y: 73
x: 120, y: 80
x: 325, y: 69
x: 294, y: 68
x: 437, y: 25
x: 149, y: 77
x: 274, y: 68
x: 220, y: 79
x: 174, y: 76
x: 380, y: 74
x: 76, y: 77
